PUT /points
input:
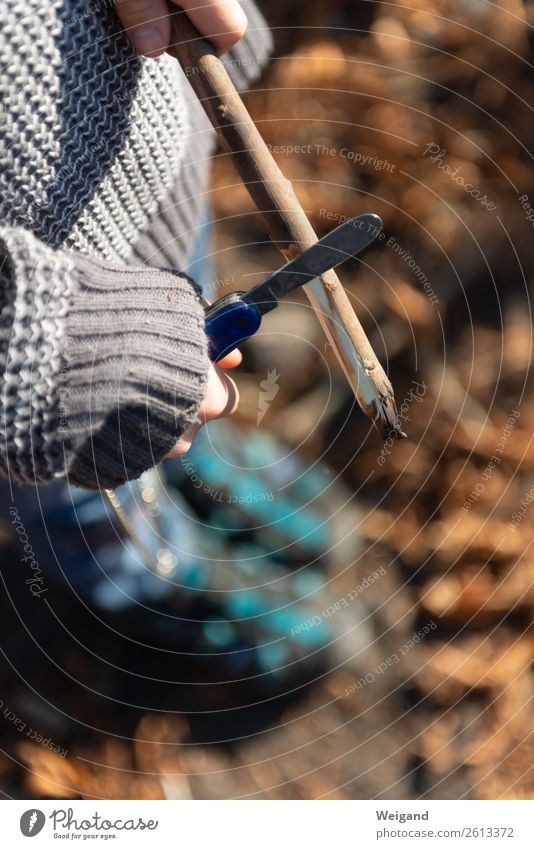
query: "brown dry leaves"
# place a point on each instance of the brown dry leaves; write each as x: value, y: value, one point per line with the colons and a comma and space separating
x: 450, y: 74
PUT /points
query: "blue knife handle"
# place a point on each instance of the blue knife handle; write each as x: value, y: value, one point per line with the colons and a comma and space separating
x: 229, y: 323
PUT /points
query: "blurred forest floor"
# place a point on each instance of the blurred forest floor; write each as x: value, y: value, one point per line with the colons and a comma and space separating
x: 398, y: 103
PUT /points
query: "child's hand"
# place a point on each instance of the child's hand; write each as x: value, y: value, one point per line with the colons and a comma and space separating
x: 147, y: 24
x: 221, y: 400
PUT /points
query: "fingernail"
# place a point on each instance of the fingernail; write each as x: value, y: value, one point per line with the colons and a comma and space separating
x: 148, y: 40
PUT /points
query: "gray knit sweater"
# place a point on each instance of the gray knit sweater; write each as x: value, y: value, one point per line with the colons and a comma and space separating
x: 103, y: 163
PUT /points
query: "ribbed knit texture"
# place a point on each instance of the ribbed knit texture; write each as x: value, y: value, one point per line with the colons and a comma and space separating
x: 103, y: 166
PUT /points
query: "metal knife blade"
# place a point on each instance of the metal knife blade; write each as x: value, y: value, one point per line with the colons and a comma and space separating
x: 347, y: 240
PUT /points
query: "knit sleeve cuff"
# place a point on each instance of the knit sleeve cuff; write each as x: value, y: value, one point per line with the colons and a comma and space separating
x: 105, y: 367
x: 135, y: 373
x: 246, y: 61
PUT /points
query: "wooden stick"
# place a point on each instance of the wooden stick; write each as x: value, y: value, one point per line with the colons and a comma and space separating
x: 285, y: 220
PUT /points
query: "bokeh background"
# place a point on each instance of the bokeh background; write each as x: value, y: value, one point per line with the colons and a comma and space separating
x: 421, y: 112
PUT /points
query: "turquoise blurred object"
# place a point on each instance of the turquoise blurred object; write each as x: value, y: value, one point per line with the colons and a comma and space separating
x: 241, y: 531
